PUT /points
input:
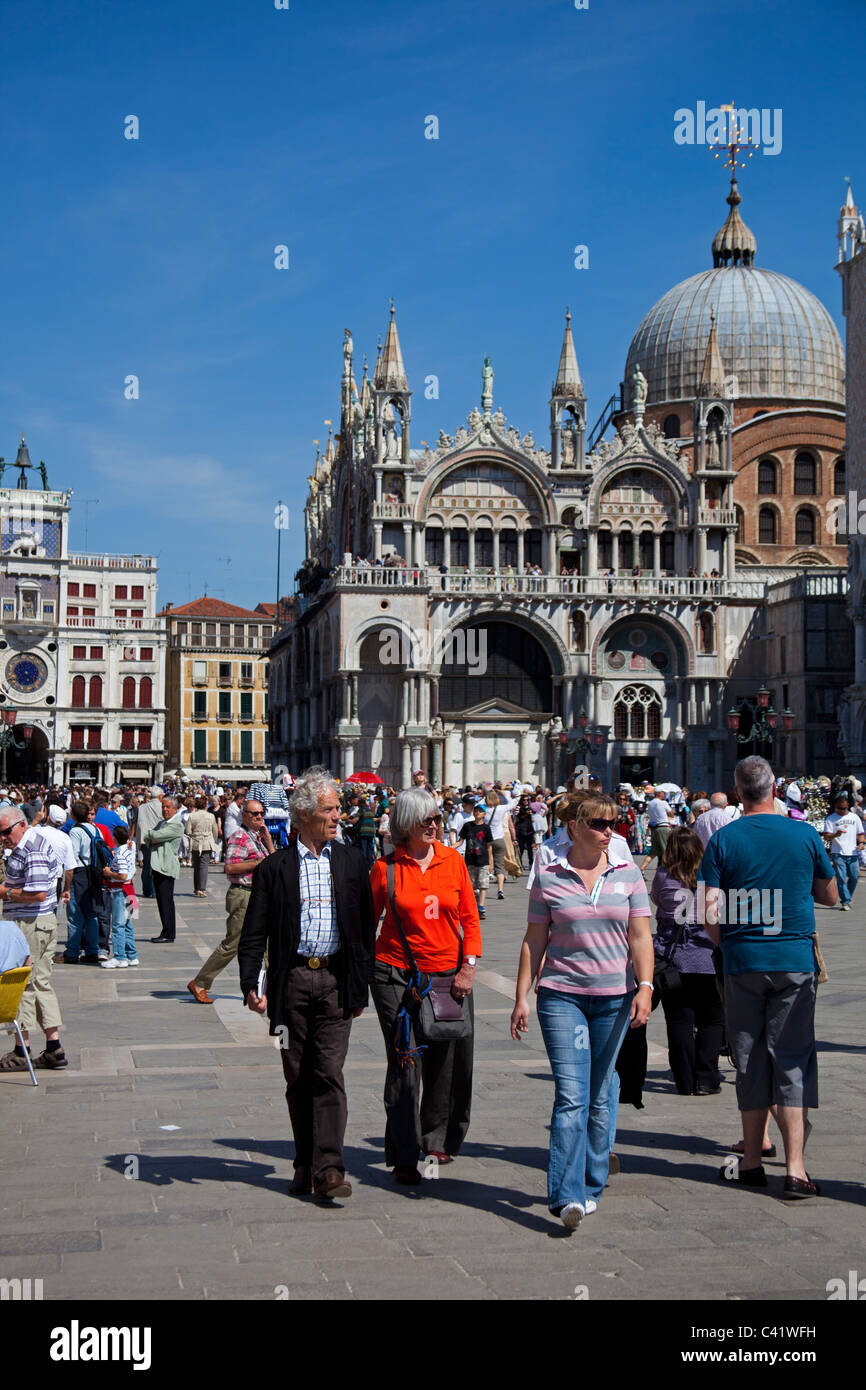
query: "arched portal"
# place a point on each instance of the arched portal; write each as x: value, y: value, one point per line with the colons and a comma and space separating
x: 496, y: 697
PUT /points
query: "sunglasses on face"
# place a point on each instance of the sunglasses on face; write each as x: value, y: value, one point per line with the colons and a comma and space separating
x: 430, y: 820
x: 598, y: 823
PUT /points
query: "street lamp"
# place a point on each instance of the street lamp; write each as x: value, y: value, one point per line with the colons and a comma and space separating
x: 766, y: 726
x: 7, y: 735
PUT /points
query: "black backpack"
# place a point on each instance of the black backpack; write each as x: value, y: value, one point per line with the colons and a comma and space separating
x: 100, y: 857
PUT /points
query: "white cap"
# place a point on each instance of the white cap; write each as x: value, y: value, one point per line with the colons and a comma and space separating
x: 56, y: 815
x: 793, y: 792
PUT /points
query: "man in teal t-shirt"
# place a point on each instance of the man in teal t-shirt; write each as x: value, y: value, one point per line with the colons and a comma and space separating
x: 762, y: 874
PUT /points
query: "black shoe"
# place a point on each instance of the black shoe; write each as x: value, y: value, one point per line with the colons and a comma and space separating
x: 798, y: 1187
x: 746, y: 1177
x: 707, y: 1091
x: 91, y: 960
x: 408, y: 1177
x: 162, y: 940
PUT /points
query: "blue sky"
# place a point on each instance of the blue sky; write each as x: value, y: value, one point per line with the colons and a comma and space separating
x: 305, y: 127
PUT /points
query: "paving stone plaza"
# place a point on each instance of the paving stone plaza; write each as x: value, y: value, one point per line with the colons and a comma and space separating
x: 157, y: 1166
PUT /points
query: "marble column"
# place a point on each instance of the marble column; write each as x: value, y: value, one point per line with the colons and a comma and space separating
x: 446, y: 757
x: 348, y: 757
x: 407, y: 543
x: 377, y: 540
x: 521, y: 755
x: 496, y: 549
x: 467, y: 756
x: 730, y: 556
x: 471, y: 550
x: 701, y: 561
x: 521, y: 560
x: 405, y: 764
x: 657, y: 554
x: 436, y: 771
x: 446, y: 548
x: 592, y: 553
x: 615, y: 552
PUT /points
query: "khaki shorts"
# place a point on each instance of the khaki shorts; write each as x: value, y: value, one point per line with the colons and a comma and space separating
x: 479, y: 876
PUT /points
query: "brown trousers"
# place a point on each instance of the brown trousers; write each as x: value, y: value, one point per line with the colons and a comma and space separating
x: 313, y: 1057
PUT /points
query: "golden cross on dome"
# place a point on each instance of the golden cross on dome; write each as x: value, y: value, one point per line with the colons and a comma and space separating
x: 735, y: 145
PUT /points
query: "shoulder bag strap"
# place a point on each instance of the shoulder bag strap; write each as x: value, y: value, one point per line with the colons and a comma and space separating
x: 389, y: 872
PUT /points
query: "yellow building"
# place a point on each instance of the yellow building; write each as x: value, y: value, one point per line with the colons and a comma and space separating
x: 217, y: 691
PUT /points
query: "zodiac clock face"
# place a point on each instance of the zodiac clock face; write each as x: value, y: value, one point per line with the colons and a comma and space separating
x: 26, y: 673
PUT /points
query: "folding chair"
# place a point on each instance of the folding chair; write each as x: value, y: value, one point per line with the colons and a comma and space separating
x: 12, y: 985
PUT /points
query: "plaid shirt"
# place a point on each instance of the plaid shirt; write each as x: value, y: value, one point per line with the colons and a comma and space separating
x: 33, y: 866
x: 243, y: 845
x: 319, y: 933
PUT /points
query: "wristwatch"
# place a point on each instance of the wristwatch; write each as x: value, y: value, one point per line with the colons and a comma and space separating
x: 470, y: 960
x: 649, y: 983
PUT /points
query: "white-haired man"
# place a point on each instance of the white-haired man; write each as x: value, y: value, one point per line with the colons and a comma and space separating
x: 148, y: 818
x: 719, y: 814
x: 312, y: 908
x: 29, y: 896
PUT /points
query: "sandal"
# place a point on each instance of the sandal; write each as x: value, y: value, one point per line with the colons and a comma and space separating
x: 768, y: 1152
x: 51, y: 1061
x: 12, y: 1062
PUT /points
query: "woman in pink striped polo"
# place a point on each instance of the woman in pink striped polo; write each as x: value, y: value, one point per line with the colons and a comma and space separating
x: 588, y: 933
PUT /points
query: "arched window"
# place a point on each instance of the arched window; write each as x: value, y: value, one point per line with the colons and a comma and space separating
x: 805, y: 476
x: 128, y: 693
x: 767, y: 478
x: 95, y: 694
x: 839, y: 478
x: 145, y: 692
x: 78, y: 684
x: 767, y: 526
x: 804, y: 527
x: 508, y: 548
x: 484, y: 548
x: 434, y: 546
x: 497, y: 660
x: 637, y: 713
x: 708, y: 632
x: 672, y: 427
x: 459, y: 547
x: 578, y: 629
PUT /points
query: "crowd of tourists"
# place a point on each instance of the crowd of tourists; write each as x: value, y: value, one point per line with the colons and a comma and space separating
x: 335, y: 893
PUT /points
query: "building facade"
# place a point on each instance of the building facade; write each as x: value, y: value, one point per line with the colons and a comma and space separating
x: 84, y: 651
x: 606, y: 601
x: 852, y: 519
x: 217, y: 690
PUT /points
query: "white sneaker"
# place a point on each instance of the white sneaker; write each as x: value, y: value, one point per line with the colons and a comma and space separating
x: 571, y: 1215
x: 134, y: 961
x: 591, y: 1206
x: 846, y: 907
x: 113, y: 964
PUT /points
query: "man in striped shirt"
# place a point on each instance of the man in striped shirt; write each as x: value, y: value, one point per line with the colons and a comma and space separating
x: 29, y: 896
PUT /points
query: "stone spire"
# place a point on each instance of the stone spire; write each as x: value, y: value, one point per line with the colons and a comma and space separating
x: 712, y: 381
x: 390, y: 374
x: 850, y: 228
x: 568, y: 382
x: 734, y: 243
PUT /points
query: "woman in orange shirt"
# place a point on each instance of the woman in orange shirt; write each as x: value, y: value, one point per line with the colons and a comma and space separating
x: 429, y: 1111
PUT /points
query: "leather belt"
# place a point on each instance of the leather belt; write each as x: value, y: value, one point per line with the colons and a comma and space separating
x: 314, y: 962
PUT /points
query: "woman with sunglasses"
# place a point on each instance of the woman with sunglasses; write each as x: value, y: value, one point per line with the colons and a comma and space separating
x: 427, y: 1105
x: 589, y: 925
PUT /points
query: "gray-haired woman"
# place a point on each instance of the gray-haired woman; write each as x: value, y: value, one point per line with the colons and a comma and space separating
x: 427, y: 1105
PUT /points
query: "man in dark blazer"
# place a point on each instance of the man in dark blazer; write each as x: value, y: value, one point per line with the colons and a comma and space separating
x: 311, y: 906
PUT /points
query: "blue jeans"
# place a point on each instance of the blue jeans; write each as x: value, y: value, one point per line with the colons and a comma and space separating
x: 847, y: 870
x: 583, y: 1034
x: 82, y: 918
x: 122, y: 934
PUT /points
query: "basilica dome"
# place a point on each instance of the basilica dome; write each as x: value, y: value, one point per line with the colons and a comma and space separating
x: 774, y: 336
